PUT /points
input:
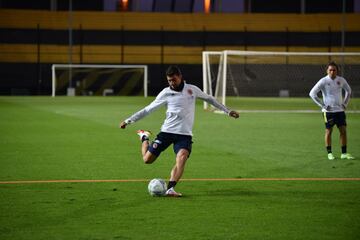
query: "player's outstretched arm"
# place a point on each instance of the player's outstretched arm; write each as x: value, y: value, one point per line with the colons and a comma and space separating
x: 158, y: 102
x: 211, y: 100
x: 234, y: 114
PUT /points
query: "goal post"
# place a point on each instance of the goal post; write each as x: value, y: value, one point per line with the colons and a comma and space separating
x: 272, y: 74
x: 212, y: 73
x: 209, y: 71
x: 97, y: 79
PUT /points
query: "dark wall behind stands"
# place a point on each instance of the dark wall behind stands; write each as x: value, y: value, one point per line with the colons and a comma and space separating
x: 178, y: 38
x: 61, y: 5
x: 252, y: 6
x: 33, y: 40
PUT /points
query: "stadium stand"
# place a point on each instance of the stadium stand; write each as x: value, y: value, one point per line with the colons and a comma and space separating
x: 32, y: 40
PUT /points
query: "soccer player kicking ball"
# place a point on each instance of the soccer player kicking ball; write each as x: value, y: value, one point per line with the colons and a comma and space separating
x: 179, y: 98
x: 333, y: 106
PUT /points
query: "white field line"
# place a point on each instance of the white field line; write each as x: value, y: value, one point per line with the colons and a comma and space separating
x: 187, y: 180
x: 283, y: 111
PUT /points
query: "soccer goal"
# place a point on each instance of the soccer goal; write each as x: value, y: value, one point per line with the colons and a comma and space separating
x: 99, y: 80
x: 272, y: 74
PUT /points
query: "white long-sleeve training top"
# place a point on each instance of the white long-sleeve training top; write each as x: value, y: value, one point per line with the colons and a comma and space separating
x: 180, y: 108
x: 331, y: 90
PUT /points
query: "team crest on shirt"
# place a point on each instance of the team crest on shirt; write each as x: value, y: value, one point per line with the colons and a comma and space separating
x: 155, y: 145
x: 190, y: 92
x: 338, y: 83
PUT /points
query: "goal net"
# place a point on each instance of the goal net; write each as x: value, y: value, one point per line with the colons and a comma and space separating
x: 272, y: 74
x: 99, y: 80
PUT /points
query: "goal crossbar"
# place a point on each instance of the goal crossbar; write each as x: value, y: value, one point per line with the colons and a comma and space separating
x: 266, y: 53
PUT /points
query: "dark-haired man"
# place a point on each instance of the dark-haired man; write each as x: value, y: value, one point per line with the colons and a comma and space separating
x: 179, y: 98
x: 333, y: 106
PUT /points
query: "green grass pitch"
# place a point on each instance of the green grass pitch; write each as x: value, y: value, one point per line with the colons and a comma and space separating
x: 65, y: 138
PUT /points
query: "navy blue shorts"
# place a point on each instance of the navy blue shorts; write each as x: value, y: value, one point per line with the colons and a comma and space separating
x: 332, y: 118
x: 163, y: 140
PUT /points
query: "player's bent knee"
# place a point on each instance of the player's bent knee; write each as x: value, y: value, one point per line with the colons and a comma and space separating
x: 182, y: 156
x: 149, y: 158
x: 184, y: 153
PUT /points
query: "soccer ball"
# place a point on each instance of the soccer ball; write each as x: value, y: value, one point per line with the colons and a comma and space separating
x: 157, y: 187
